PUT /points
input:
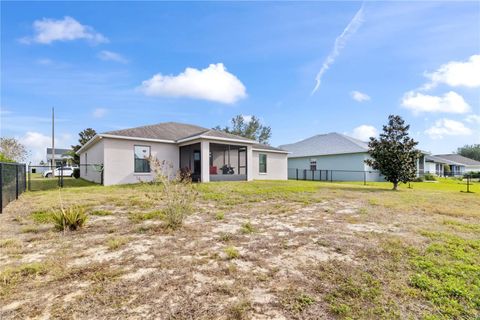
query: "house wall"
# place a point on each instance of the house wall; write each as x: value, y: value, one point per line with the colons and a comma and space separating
x: 119, y: 159
x: 472, y: 168
x: 90, y: 160
x: 276, y: 166
x: 348, y: 162
x: 430, y: 167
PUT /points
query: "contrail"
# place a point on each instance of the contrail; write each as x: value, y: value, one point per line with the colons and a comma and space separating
x: 340, y: 42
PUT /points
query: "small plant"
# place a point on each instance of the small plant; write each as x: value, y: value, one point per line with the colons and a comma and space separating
x: 9, y: 243
x: 231, y: 252
x: 429, y: 177
x: 116, y: 242
x: 71, y: 218
x: 247, y: 228
x: 142, y: 216
x: 220, y: 216
x: 239, y: 310
x: 178, y: 193
x: 41, y: 216
x: 29, y: 229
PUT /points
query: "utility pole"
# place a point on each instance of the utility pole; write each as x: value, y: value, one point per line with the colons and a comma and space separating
x: 53, y: 142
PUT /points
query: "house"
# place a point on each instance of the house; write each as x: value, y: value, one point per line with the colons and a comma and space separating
x: 331, y: 156
x: 210, y: 155
x: 435, y: 165
x: 62, y: 157
x: 459, y: 164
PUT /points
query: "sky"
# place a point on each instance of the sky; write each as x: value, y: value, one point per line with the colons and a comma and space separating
x: 303, y: 68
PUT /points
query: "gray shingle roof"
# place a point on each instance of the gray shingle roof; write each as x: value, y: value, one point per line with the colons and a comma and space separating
x: 162, y: 131
x: 459, y: 159
x: 174, y: 131
x: 439, y: 160
x: 325, y: 144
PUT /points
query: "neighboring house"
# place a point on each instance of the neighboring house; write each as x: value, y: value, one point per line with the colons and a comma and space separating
x: 210, y: 155
x: 435, y: 165
x: 62, y: 157
x: 342, y: 156
x: 460, y: 164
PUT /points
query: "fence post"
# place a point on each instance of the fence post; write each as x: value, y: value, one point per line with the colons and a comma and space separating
x: 331, y: 176
x: 313, y: 175
x: 364, y: 178
x: 304, y: 174
x: 1, y: 187
x: 16, y: 181
x: 29, y: 180
x: 297, y: 173
x: 326, y: 175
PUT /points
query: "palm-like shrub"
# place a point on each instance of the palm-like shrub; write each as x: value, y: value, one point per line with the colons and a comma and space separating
x: 71, y: 218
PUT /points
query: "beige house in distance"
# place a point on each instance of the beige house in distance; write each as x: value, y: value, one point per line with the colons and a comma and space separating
x: 210, y: 155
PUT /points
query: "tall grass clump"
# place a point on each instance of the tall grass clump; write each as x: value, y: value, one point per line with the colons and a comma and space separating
x: 178, y: 192
x: 71, y: 218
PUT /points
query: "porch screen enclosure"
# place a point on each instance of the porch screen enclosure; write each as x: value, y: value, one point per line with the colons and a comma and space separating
x: 226, y: 162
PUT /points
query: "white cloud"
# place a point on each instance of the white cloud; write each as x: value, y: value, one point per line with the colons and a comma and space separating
x: 447, y: 127
x: 340, y: 43
x: 456, y: 74
x: 99, y: 113
x: 37, y: 144
x: 50, y: 30
x: 450, y: 102
x: 112, y: 56
x: 359, y: 96
x: 213, y: 83
x: 473, y: 118
x: 364, y: 132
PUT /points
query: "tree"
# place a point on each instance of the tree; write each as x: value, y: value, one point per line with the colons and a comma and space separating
x: 470, y: 151
x: 12, y: 149
x: 85, y: 136
x: 251, y: 129
x: 394, y: 153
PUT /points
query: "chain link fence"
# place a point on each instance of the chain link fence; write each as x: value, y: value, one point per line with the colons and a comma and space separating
x: 45, y: 177
x: 13, y: 182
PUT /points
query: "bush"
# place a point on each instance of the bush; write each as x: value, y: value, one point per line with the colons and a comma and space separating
x: 71, y: 218
x: 429, y: 177
x: 76, y: 173
x: 473, y: 175
x: 231, y: 252
x: 178, y: 193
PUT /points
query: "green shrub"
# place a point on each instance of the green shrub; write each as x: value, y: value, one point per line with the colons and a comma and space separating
x: 76, y: 173
x: 231, y: 252
x: 71, y: 218
x: 472, y: 175
x: 429, y: 177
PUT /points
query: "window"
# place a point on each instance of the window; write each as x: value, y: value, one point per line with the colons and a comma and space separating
x: 142, y: 155
x: 313, y: 164
x: 262, y: 163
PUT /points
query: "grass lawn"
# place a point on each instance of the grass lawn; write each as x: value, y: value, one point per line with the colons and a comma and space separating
x: 252, y: 250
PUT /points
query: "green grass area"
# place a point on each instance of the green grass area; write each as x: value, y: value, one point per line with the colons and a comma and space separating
x: 39, y: 183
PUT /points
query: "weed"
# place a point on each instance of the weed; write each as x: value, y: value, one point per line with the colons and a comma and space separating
x: 231, y: 252
x: 71, y: 218
x: 247, y: 228
x: 363, y: 211
x: 239, y: 309
x: 220, y: 216
x: 41, y: 216
x: 116, y: 242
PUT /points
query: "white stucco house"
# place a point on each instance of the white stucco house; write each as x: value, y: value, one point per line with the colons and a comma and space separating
x: 210, y: 155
